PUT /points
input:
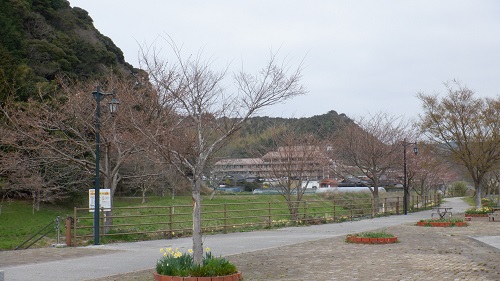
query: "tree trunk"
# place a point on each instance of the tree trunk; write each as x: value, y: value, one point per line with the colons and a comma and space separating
x: 477, y: 187
x: 293, y: 208
x: 110, y: 182
x: 197, y: 238
x: 498, y: 198
x: 375, y: 200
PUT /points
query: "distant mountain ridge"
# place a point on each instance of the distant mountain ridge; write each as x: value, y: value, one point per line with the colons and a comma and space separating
x: 256, y: 133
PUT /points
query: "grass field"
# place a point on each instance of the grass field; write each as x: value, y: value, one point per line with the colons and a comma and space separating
x: 18, y: 221
x: 237, y: 212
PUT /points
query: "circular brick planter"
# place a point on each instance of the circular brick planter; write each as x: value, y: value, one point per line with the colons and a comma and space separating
x: 441, y: 224
x: 233, y: 277
x: 476, y: 215
x: 469, y: 216
x: 364, y: 240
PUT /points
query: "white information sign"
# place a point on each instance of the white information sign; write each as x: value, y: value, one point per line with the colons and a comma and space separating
x: 104, y: 199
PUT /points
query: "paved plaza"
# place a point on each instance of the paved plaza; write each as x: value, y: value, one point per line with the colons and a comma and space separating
x: 316, y: 252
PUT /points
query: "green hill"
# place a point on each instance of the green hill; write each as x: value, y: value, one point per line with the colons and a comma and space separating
x: 257, y: 134
x: 41, y: 39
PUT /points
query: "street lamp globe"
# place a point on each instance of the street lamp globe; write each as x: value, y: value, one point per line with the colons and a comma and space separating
x: 113, y: 105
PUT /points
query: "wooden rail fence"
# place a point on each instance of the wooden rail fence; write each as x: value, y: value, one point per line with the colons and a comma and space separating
x: 159, y: 222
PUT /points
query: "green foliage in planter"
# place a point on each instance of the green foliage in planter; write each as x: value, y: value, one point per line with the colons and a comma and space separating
x: 381, y: 234
x: 175, y: 263
x: 214, y: 267
x: 444, y: 220
x: 489, y: 202
x: 453, y: 221
x: 483, y: 210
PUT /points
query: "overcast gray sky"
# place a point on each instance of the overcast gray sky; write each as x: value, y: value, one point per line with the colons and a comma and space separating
x: 360, y: 57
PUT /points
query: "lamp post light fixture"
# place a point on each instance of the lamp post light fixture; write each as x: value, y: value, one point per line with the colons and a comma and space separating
x: 113, y: 108
x: 406, y: 193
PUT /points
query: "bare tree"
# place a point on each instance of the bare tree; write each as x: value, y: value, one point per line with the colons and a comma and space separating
x: 373, y: 146
x: 492, y: 184
x: 465, y: 129
x: 197, y: 114
x: 142, y: 173
x: 293, y: 164
x: 427, y: 172
x: 60, y: 127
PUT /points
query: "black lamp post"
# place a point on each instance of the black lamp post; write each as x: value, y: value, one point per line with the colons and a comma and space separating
x: 406, y: 193
x: 113, y: 108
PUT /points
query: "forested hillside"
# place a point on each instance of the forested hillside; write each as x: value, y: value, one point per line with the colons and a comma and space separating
x: 257, y: 132
x: 41, y: 39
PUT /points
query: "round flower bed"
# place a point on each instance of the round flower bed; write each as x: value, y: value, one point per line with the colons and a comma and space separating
x: 372, y: 238
x: 481, y: 212
x: 468, y: 217
x: 476, y: 215
x: 232, y: 277
x: 442, y: 223
x: 177, y: 266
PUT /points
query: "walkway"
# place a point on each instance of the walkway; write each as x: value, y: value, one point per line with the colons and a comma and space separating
x: 292, y: 248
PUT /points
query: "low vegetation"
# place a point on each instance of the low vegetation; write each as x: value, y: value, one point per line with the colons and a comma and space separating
x: 373, y: 234
x: 175, y: 263
x: 452, y: 222
x: 18, y: 222
x: 484, y: 210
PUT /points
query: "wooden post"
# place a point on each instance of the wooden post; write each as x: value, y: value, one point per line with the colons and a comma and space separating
x: 171, y: 223
x: 225, y: 218
x: 269, y: 215
x: 397, y: 206
x: 334, y: 213
x: 75, y: 222
x: 304, y: 216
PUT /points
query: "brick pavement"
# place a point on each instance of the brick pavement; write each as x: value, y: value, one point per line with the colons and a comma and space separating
x: 423, y: 253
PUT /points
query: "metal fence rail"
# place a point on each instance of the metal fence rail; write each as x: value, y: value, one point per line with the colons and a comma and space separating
x: 55, y: 224
x: 155, y: 222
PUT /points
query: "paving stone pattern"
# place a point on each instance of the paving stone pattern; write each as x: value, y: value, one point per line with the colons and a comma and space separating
x: 422, y: 253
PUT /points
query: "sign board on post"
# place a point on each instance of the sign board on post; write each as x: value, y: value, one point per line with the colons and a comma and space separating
x: 104, y: 199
